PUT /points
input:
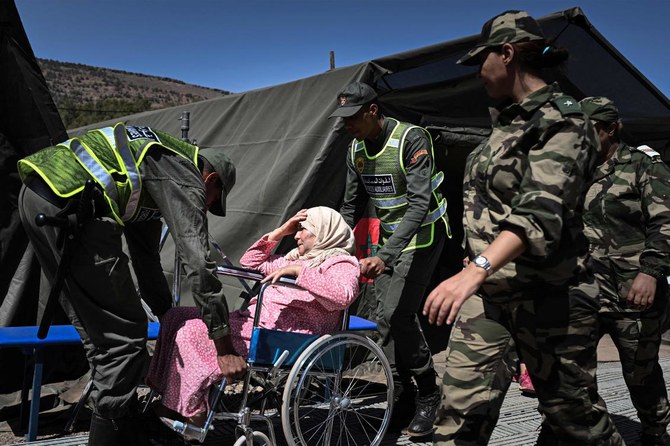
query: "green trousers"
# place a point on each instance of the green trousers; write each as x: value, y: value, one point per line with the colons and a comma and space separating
x: 399, y: 293
x: 556, y: 337
x: 637, y: 337
x: 100, y: 299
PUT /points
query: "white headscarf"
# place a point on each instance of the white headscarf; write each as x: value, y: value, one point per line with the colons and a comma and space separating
x: 333, y: 236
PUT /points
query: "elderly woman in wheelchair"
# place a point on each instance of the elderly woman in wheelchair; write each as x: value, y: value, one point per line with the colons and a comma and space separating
x: 306, y: 291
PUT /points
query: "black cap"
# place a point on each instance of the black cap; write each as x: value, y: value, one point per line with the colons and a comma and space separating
x: 352, y: 98
x: 226, y: 170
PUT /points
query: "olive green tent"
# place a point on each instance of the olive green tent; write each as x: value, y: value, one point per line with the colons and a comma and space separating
x: 290, y: 156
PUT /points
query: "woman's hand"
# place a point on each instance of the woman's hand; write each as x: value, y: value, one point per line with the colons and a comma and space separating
x: 274, y: 276
x: 290, y: 227
x: 642, y: 291
x: 446, y: 299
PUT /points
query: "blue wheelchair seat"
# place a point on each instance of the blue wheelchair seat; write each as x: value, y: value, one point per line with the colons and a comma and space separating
x: 267, y: 345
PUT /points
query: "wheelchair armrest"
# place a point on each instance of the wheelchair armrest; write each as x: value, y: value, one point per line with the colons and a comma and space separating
x: 250, y: 274
x: 238, y: 271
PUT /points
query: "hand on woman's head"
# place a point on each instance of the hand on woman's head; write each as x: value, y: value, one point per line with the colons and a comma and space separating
x: 294, y: 222
x: 290, y: 226
x: 321, y: 234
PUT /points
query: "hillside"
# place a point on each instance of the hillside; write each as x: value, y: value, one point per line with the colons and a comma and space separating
x: 85, y: 94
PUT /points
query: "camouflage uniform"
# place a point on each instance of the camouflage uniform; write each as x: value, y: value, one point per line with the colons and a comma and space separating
x: 529, y: 177
x: 480, y: 361
x: 627, y: 222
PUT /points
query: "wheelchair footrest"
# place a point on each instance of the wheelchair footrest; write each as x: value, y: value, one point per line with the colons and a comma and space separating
x: 186, y: 430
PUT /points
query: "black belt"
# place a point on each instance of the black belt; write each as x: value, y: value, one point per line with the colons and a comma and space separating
x: 37, y: 184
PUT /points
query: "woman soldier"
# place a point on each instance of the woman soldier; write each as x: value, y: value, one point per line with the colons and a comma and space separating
x: 523, y: 197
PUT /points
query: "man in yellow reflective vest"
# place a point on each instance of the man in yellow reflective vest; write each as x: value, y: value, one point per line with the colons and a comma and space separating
x: 391, y: 163
x: 141, y: 174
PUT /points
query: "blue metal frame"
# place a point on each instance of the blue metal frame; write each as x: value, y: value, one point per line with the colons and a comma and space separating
x: 26, y: 339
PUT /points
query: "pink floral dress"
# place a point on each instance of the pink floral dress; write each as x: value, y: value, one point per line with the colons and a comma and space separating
x: 184, y: 364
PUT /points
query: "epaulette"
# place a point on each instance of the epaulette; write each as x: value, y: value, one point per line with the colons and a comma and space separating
x: 567, y: 105
x: 651, y: 153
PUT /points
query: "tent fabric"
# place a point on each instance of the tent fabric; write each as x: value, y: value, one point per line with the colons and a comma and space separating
x: 428, y: 83
x: 290, y: 156
x: 29, y: 121
x: 287, y: 153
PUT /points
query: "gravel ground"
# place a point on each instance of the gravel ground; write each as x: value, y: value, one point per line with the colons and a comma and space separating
x: 517, y: 426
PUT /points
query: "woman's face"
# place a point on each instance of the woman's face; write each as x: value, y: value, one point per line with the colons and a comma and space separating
x: 306, y: 241
x: 606, y: 132
x: 493, y: 72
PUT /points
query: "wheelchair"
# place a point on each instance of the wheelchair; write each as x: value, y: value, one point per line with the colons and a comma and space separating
x: 328, y: 389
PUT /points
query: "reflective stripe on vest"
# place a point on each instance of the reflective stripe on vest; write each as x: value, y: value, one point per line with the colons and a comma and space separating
x: 117, y: 140
x: 108, y: 133
x: 431, y: 217
x: 131, y: 170
x: 93, y: 166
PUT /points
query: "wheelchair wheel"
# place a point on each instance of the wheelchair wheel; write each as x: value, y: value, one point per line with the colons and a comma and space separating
x: 339, y: 392
x: 259, y: 439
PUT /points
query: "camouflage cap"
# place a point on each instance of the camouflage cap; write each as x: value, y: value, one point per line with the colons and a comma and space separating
x: 599, y: 108
x: 508, y: 27
x: 226, y: 170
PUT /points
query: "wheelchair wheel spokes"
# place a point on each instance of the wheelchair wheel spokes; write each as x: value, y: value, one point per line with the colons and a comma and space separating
x: 332, y: 397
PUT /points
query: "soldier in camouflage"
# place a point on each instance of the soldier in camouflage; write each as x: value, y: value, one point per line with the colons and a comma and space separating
x: 481, y: 359
x: 523, y: 226
x: 627, y: 222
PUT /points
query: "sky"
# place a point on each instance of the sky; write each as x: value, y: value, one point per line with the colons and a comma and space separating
x: 241, y: 45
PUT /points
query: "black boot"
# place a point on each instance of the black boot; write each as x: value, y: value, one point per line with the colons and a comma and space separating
x: 654, y: 440
x: 426, y: 412
x: 403, y: 406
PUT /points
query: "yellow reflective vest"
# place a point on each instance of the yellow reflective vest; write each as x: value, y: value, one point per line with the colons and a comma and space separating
x: 111, y: 157
x: 384, y: 178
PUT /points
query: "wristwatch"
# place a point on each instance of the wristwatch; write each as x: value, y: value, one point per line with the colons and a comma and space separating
x: 483, y: 262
